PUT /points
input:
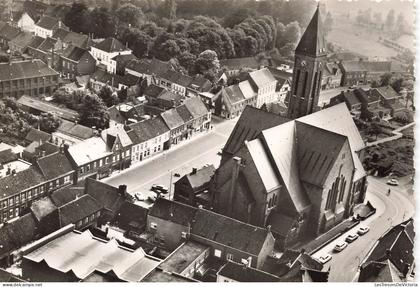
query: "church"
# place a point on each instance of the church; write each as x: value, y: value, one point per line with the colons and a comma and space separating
x: 300, y: 175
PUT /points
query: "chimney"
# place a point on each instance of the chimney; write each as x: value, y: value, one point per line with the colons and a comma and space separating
x: 233, y: 185
x: 122, y: 189
x: 194, y: 170
x: 43, y: 153
x: 61, y: 149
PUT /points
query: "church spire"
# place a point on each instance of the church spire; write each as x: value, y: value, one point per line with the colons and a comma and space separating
x: 312, y: 42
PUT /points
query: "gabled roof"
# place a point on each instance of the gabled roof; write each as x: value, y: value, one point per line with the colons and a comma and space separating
x: 22, y: 40
x: 184, y: 113
x: 200, y: 83
x: 60, y: 33
x: 9, y: 32
x: 73, y: 53
x: 50, y: 23
x: 13, y: 184
x: 240, y: 63
x: 177, y: 78
x: 172, y: 118
x: 200, y: 176
x: 42, y: 207
x: 251, y: 122
x: 312, y: 42
x: 63, y: 196
x: 149, y: 129
x: 120, y: 132
x: 387, y: 93
x: 111, y: 45
x: 246, y: 89
x: 229, y: 232
x: 17, y: 233
x: 48, y: 44
x: 37, y: 135
x: 107, y: 196
x: 173, y: 211
x: 232, y: 95
x: 36, y: 42
x: 148, y: 67
x: 383, y: 271
x: 76, y: 39
x: 261, y: 77
x: 25, y: 69
x: 78, y: 209
x: 242, y: 273
x: 318, y: 151
x: 54, y: 165
x: 196, y: 107
x: 75, y: 130
x: 7, y: 156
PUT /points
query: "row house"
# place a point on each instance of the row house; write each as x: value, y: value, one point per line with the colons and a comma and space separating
x: 48, y: 50
x: 119, y: 143
x: 264, y: 84
x: 91, y: 158
x: 209, y: 99
x: 20, y: 189
x: 47, y: 25
x: 365, y: 72
x: 20, y: 43
x: 75, y: 61
x: 27, y: 77
x: 232, y: 100
x: 175, y: 82
x: 284, y: 83
x: 187, y: 119
x: 148, y: 69
x: 171, y: 223
x: 149, y: 138
x: 106, y: 50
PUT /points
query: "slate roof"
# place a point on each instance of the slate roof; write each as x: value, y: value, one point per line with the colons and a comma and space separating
x: 78, y: 209
x: 37, y: 135
x: 54, y: 165
x: 280, y: 223
x: 228, y: 231
x: 312, y: 42
x: 25, y: 69
x: 240, y: 63
x: 379, y: 272
x: 172, y: 118
x: 60, y: 33
x: 7, y: 156
x: 75, y: 130
x: 242, y: 273
x: 201, y: 176
x: 262, y: 77
x: 73, y: 53
x: 47, y: 107
x: 48, y: 45
x: 107, y: 196
x: 42, y: 207
x: 13, y: 184
x: 177, y: 78
x: 196, y: 107
x: 184, y: 113
x: 63, y: 196
x: 399, y: 241
x: 49, y: 23
x: 387, y: 93
x: 22, y: 40
x: 149, y: 129
x: 36, y: 42
x: 111, y: 45
x: 17, y: 233
x: 233, y: 95
x: 173, y: 211
x: 251, y: 122
x: 8, y: 32
x: 148, y: 67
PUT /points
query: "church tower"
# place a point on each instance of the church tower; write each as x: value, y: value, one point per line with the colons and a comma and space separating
x: 307, y: 72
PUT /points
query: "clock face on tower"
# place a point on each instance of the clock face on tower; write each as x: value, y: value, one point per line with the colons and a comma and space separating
x: 303, y: 63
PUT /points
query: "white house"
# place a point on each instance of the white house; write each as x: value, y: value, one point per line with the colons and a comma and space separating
x: 149, y: 137
x: 104, y: 51
x: 46, y: 26
x: 26, y: 22
x: 264, y: 84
